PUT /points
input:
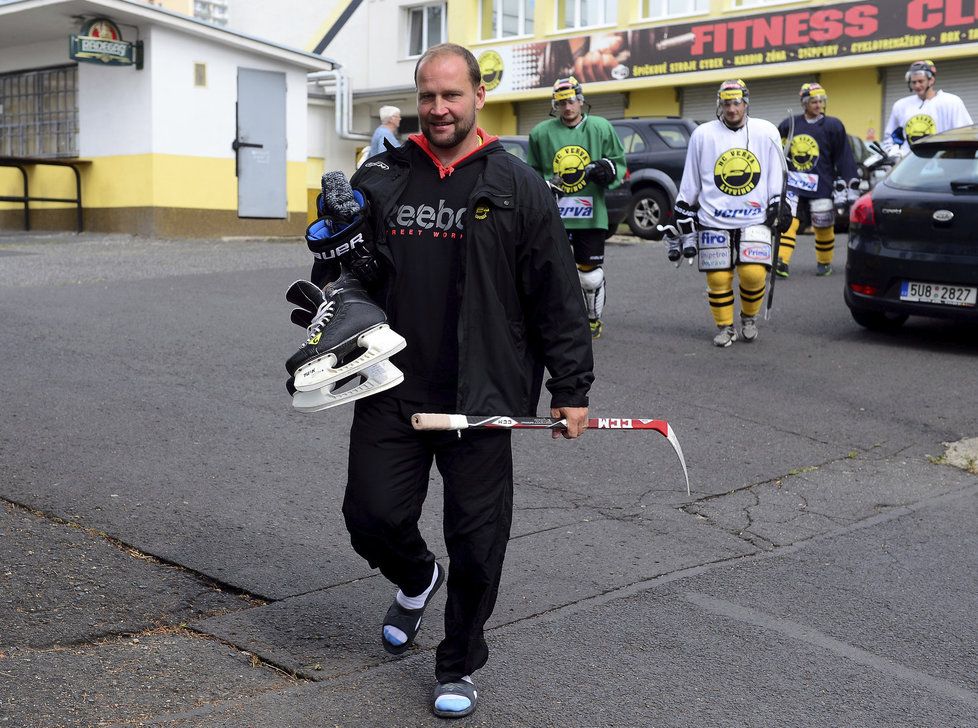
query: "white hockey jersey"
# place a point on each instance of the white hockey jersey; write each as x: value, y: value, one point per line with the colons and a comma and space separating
x: 916, y: 119
x: 733, y: 174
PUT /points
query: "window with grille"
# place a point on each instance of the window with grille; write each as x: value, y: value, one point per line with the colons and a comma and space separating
x: 426, y: 28
x: 39, y: 113
x: 506, y: 18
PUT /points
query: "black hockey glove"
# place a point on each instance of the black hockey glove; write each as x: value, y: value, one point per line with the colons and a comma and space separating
x: 603, y: 172
x: 336, y: 240
x: 556, y: 185
x: 685, y: 216
x: 778, y: 214
x: 839, y: 192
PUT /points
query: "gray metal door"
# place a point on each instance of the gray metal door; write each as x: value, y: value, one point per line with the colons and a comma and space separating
x: 260, y: 144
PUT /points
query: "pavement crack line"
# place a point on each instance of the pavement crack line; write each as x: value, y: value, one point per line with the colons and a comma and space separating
x: 812, y: 636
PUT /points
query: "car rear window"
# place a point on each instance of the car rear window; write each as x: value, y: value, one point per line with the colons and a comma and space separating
x: 675, y: 136
x: 931, y: 168
x: 630, y: 139
x: 514, y: 148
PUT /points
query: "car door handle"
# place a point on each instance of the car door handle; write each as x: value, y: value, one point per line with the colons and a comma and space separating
x: 236, y: 145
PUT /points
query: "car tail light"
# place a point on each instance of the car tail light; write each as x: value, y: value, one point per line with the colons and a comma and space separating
x: 862, y: 211
x: 863, y: 289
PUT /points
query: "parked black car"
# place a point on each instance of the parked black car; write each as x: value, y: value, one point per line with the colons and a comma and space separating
x: 913, y: 246
x: 655, y: 151
x: 518, y: 145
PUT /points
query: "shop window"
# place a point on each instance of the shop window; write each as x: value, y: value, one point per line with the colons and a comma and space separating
x: 657, y: 9
x: 214, y: 12
x: 586, y: 13
x: 426, y: 28
x: 39, y: 113
x: 506, y: 18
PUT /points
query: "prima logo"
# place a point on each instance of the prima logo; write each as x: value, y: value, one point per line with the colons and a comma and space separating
x: 427, y: 217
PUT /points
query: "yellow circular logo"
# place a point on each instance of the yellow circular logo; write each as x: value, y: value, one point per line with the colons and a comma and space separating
x: 736, y: 172
x: 919, y: 126
x: 491, y: 67
x: 569, y: 164
x: 803, y: 152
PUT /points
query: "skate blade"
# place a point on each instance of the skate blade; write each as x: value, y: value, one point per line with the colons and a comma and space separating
x: 380, y: 342
x: 375, y: 378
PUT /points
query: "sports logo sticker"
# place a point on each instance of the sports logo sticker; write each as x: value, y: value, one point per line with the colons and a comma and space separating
x: 736, y: 172
x: 569, y: 164
x: 919, y: 126
x: 804, y: 152
x: 491, y: 68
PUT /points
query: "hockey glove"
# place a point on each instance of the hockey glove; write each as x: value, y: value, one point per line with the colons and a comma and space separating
x: 336, y: 241
x: 839, y: 192
x: 602, y: 172
x: 778, y: 214
x: 685, y: 217
x: 556, y: 185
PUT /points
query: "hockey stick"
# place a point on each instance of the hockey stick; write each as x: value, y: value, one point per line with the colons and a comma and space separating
x: 423, y: 421
x: 783, y: 157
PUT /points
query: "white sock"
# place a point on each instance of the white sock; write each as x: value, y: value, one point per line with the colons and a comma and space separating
x: 418, y: 601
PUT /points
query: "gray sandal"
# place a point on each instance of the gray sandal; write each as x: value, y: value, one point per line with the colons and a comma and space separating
x: 407, y: 620
x: 455, y: 699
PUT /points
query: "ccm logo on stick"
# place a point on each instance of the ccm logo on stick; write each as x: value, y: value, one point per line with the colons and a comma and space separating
x: 616, y: 424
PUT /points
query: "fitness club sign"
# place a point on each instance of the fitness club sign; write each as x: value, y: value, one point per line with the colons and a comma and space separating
x: 810, y: 34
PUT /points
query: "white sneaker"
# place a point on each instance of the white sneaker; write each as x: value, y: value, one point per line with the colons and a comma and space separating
x: 748, y: 328
x: 726, y: 337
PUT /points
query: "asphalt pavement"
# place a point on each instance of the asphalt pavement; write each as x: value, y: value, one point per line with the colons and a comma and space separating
x: 172, y: 551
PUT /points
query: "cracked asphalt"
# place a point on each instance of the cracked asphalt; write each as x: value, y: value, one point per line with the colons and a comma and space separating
x: 172, y: 551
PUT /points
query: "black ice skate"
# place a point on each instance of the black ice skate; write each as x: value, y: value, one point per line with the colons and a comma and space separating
x: 347, y: 334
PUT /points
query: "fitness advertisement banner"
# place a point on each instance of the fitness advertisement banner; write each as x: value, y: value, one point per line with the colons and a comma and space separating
x: 735, y: 42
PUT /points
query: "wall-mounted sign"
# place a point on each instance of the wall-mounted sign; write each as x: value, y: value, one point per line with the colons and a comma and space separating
x: 736, y: 43
x: 100, y: 41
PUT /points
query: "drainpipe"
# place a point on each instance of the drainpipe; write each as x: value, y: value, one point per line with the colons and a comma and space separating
x: 343, y: 101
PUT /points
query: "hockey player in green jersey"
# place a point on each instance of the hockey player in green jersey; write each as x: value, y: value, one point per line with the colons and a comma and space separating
x: 582, y: 157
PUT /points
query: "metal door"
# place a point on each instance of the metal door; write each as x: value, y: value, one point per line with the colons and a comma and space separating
x: 260, y: 144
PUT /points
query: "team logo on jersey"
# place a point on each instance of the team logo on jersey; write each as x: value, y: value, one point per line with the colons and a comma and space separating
x: 804, y: 152
x: 569, y: 164
x: 491, y: 67
x: 481, y: 212
x: 736, y: 172
x: 919, y: 126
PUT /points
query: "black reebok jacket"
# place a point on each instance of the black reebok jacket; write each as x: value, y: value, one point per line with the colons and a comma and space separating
x: 521, y: 302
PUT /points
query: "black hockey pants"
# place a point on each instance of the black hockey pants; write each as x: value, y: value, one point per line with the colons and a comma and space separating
x: 389, y: 471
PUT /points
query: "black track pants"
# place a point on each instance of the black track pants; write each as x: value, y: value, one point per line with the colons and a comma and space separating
x: 388, y: 480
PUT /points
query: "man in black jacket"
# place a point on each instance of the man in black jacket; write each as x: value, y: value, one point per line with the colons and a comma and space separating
x: 476, y: 274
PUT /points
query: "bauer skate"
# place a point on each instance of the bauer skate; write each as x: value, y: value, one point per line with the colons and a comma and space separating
x: 347, y: 334
x: 375, y: 378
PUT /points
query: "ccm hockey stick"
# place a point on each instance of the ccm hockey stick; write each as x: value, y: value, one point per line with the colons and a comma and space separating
x: 783, y: 153
x: 423, y: 421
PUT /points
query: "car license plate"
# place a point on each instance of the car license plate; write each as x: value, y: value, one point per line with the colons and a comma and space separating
x: 938, y: 293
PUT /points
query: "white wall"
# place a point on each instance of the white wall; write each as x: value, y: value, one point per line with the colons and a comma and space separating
x: 34, y: 55
x: 115, y: 109
x: 201, y: 121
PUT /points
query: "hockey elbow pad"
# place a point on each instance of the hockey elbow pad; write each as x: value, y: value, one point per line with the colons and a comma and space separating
x: 602, y: 172
x: 685, y: 216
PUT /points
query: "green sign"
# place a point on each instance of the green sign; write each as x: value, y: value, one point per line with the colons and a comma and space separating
x: 100, y: 41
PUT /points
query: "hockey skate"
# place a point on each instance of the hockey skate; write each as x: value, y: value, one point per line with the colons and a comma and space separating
x: 347, y: 334
x: 374, y: 378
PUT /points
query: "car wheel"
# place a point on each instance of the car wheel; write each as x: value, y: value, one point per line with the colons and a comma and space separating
x: 648, y: 208
x: 878, y: 320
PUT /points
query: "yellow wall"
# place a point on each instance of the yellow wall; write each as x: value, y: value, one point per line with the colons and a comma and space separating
x: 653, y: 102
x: 856, y: 97
x: 498, y: 119
x: 148, y: 180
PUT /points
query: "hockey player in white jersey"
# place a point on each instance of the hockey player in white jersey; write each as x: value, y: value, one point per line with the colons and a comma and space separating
x: 927, y: 110
x: 731, y: 196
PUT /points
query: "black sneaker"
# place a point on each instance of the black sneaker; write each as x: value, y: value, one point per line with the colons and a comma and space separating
x: 781, y: 268
x: 823, y: 269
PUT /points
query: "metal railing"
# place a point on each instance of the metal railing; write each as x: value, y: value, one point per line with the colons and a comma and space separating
x: 39, y: 113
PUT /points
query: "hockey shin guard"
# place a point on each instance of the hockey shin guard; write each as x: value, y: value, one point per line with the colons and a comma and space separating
x: 787, y: 245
